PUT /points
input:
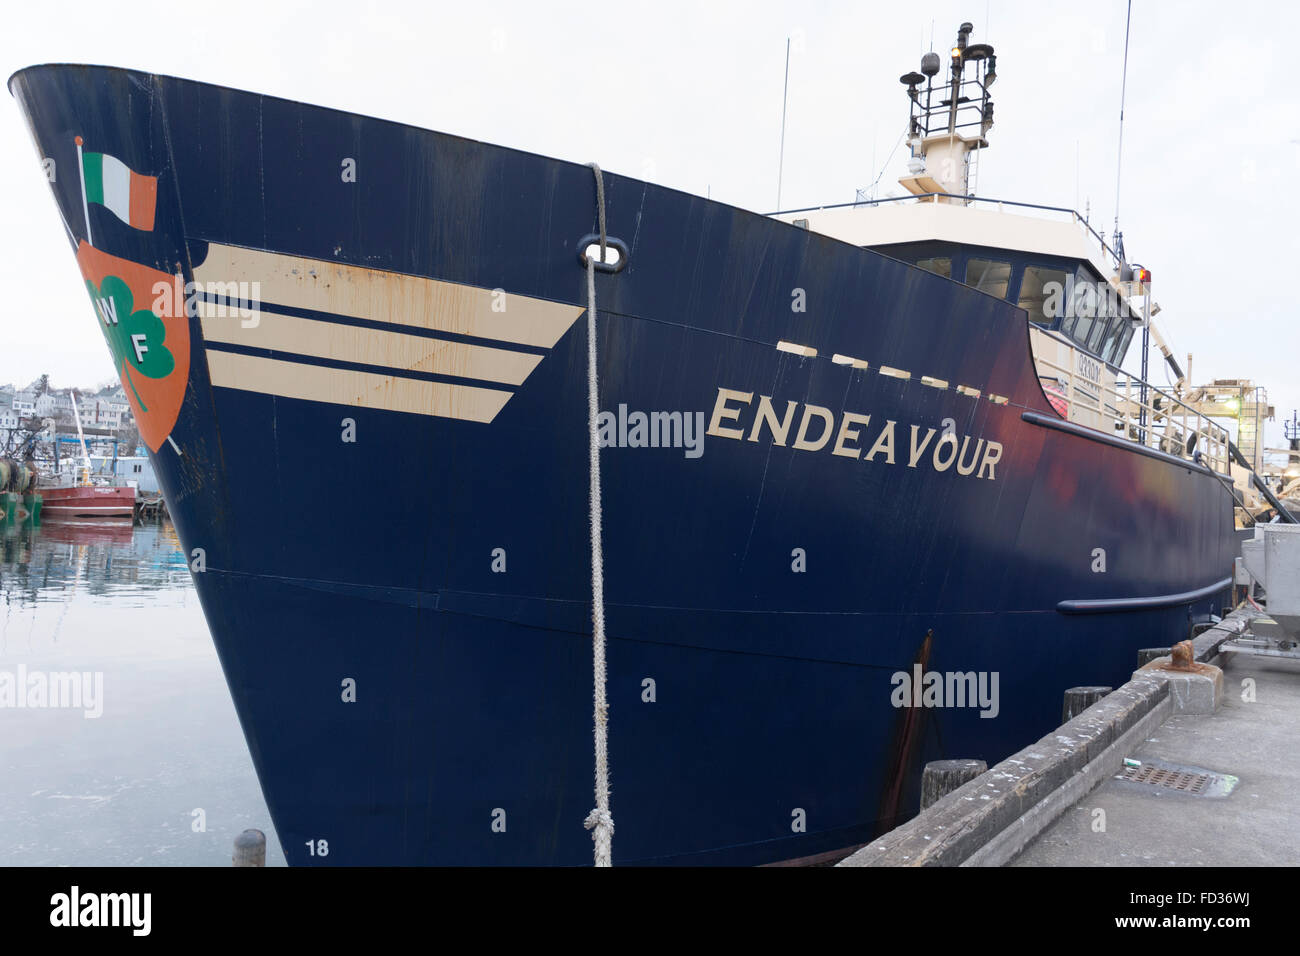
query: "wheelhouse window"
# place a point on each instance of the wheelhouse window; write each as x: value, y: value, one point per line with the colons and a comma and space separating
x: 1094, y: 319
x: 1121, y: 347
x: 989, y: 276
x: 1081, y: 309
x: 939, y: 265
x: 1042, y: 294
x: 1113, y: 332
x: 1099, y: 327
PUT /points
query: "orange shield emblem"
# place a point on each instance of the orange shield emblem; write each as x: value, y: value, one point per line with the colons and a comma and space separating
x: 144, y: 323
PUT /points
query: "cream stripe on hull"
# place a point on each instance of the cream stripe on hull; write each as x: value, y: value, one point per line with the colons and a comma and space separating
x: 86, y: 509
x: 314, y: 383
x: 395, y: 298
x: 350, y: 343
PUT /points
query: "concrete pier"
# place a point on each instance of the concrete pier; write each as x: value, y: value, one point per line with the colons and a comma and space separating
x: 1257, y: 824
x: 1189, y: 763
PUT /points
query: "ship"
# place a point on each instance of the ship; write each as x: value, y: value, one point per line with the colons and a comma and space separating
x: 75, y: 491
x: 871, y: 492
x: 88, y: 500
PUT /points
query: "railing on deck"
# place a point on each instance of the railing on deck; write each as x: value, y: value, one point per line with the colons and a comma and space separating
x: 1117, y: 409
x: 1108, y: 254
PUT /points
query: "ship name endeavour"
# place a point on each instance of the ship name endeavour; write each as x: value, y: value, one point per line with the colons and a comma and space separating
x: 913, y: 445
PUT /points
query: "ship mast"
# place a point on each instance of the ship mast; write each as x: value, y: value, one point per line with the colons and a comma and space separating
x: 85, y: 452
x: 944, y: 133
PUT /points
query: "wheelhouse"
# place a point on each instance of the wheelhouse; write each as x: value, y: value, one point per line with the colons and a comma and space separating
x: 1080, y: 295
x: 1060, y: 294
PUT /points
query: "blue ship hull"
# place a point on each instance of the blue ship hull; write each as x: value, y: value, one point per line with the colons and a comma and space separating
x: 770, y: 592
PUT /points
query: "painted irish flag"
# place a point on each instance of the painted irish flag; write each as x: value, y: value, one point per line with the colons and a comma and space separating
x: 112, y: 183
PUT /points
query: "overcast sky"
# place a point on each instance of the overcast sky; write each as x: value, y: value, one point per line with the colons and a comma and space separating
x: 689, y: 95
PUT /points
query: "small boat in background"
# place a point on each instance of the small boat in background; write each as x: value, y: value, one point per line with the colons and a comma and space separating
x: 88, y: 501
x: 80, y: 493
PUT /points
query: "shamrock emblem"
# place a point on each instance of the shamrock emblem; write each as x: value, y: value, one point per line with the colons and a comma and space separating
x: 134, y: 337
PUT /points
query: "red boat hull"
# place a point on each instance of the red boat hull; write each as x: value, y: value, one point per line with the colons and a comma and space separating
x: 88, y: 502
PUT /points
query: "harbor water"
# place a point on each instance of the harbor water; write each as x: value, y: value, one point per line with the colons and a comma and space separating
x: 119, y: 744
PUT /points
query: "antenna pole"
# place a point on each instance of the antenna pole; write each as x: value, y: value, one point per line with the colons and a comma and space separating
x: 1123, y: 90
x: 780, y: 166
x: 1076, y: 178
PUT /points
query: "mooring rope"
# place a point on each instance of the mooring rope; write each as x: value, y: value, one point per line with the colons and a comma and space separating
x: 599, y: 821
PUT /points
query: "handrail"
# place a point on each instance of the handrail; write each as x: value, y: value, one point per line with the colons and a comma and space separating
x: 1166, y: 428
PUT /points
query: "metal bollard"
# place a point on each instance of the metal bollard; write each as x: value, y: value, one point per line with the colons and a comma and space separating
x: 250, y: 849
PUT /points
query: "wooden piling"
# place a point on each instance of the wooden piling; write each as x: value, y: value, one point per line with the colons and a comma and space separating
x: 942, y: 777
x: 1079, y: 699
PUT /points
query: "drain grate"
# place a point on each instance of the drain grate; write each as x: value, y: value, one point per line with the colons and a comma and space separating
x: 1178, y: 780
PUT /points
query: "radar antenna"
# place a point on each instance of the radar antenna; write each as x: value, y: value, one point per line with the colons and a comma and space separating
x: 948, y: 121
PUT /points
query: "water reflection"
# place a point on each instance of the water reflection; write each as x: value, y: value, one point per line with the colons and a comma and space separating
x: 100, y: 558
x: 118, y: 741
